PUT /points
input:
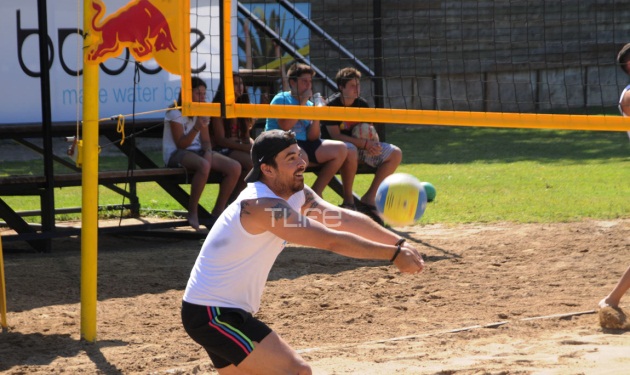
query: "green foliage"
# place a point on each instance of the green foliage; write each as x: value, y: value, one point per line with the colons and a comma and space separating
x: 263, y: 48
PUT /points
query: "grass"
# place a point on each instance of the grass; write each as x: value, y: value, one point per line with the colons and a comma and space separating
x: 481, y: 175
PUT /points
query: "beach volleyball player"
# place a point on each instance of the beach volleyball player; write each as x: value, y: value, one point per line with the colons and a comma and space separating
x: 228, y: 278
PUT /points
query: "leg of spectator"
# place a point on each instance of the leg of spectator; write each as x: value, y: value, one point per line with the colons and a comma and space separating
x: 330, y: 155
x: 348, y: 172
x: 201, y: 168
x: 231, y: 170
x: 387, y: 168
x: 245, y: 161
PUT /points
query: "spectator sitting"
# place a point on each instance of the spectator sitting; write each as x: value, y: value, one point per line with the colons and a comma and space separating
x: 231, y: 136
x: 383, y: 156
x: 332, y: 155
x: 186, y: 143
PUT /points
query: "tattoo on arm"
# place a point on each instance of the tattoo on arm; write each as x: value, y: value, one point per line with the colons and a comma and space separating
x: 280, y: 211
x: 310, y: 203
x: 244, y: 208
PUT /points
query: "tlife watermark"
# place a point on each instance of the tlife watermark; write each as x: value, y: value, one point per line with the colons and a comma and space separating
x: 280, y: 216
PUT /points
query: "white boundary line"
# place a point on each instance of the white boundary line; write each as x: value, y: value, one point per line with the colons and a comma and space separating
x: 456, y: 330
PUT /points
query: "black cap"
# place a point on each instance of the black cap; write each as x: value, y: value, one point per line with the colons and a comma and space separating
x: 266, y: 146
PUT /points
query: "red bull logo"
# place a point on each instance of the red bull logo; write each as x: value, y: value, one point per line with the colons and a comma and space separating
x: 140, y: 26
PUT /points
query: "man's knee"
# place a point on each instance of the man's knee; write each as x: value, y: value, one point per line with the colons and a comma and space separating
x: 299, y: 366
x: 203, y: 167
x: 339, y: 148
x: 330, y: 151
x: 396, y: 155
x: 235, y: 168
x: 305, y: 369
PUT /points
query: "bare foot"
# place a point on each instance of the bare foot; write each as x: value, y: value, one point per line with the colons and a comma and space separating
x: 193, y: 220
x: 368, y: 202
x: 606, y: 303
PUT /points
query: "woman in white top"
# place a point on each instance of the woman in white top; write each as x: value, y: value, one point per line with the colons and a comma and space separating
x: 186, y: 143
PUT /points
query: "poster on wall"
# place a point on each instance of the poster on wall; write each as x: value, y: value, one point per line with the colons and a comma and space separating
x: 259, y: 52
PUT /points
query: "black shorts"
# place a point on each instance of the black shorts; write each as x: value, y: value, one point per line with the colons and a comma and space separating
x: 226, y: 334
x: 309, y: 148
x: 222, y: 150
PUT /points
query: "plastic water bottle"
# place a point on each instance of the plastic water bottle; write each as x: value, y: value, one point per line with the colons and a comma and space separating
x: 318, y: 101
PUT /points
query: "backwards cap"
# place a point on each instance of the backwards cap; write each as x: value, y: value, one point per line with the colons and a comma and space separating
x: 266, y: 146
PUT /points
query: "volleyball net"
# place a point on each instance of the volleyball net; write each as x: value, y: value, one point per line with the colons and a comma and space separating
x: 530, y: 64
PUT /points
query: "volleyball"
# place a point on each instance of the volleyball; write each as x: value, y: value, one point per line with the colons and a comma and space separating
x: 365, y: 131
x: 401, y: 199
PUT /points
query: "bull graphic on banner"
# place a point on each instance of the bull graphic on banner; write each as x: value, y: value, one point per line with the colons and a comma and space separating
x: 148, y: 28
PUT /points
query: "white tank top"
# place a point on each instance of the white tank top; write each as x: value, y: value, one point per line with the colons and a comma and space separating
x: 233, y: 265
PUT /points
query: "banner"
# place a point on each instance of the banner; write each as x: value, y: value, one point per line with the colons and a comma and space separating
x: 156, y: 87
x: 147, y: 28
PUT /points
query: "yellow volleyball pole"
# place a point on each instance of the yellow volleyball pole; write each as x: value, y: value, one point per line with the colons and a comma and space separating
x: 89, y: 182
x: 228, y: 80
x: 3, y: 292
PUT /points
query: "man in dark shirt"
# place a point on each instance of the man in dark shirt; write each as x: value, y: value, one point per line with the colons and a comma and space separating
x: 383, y: 156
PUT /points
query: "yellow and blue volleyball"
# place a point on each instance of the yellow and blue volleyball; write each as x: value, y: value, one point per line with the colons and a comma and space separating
x: 401, y: 199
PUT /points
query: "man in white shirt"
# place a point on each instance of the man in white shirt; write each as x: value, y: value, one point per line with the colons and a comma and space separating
x: 229, y: 275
